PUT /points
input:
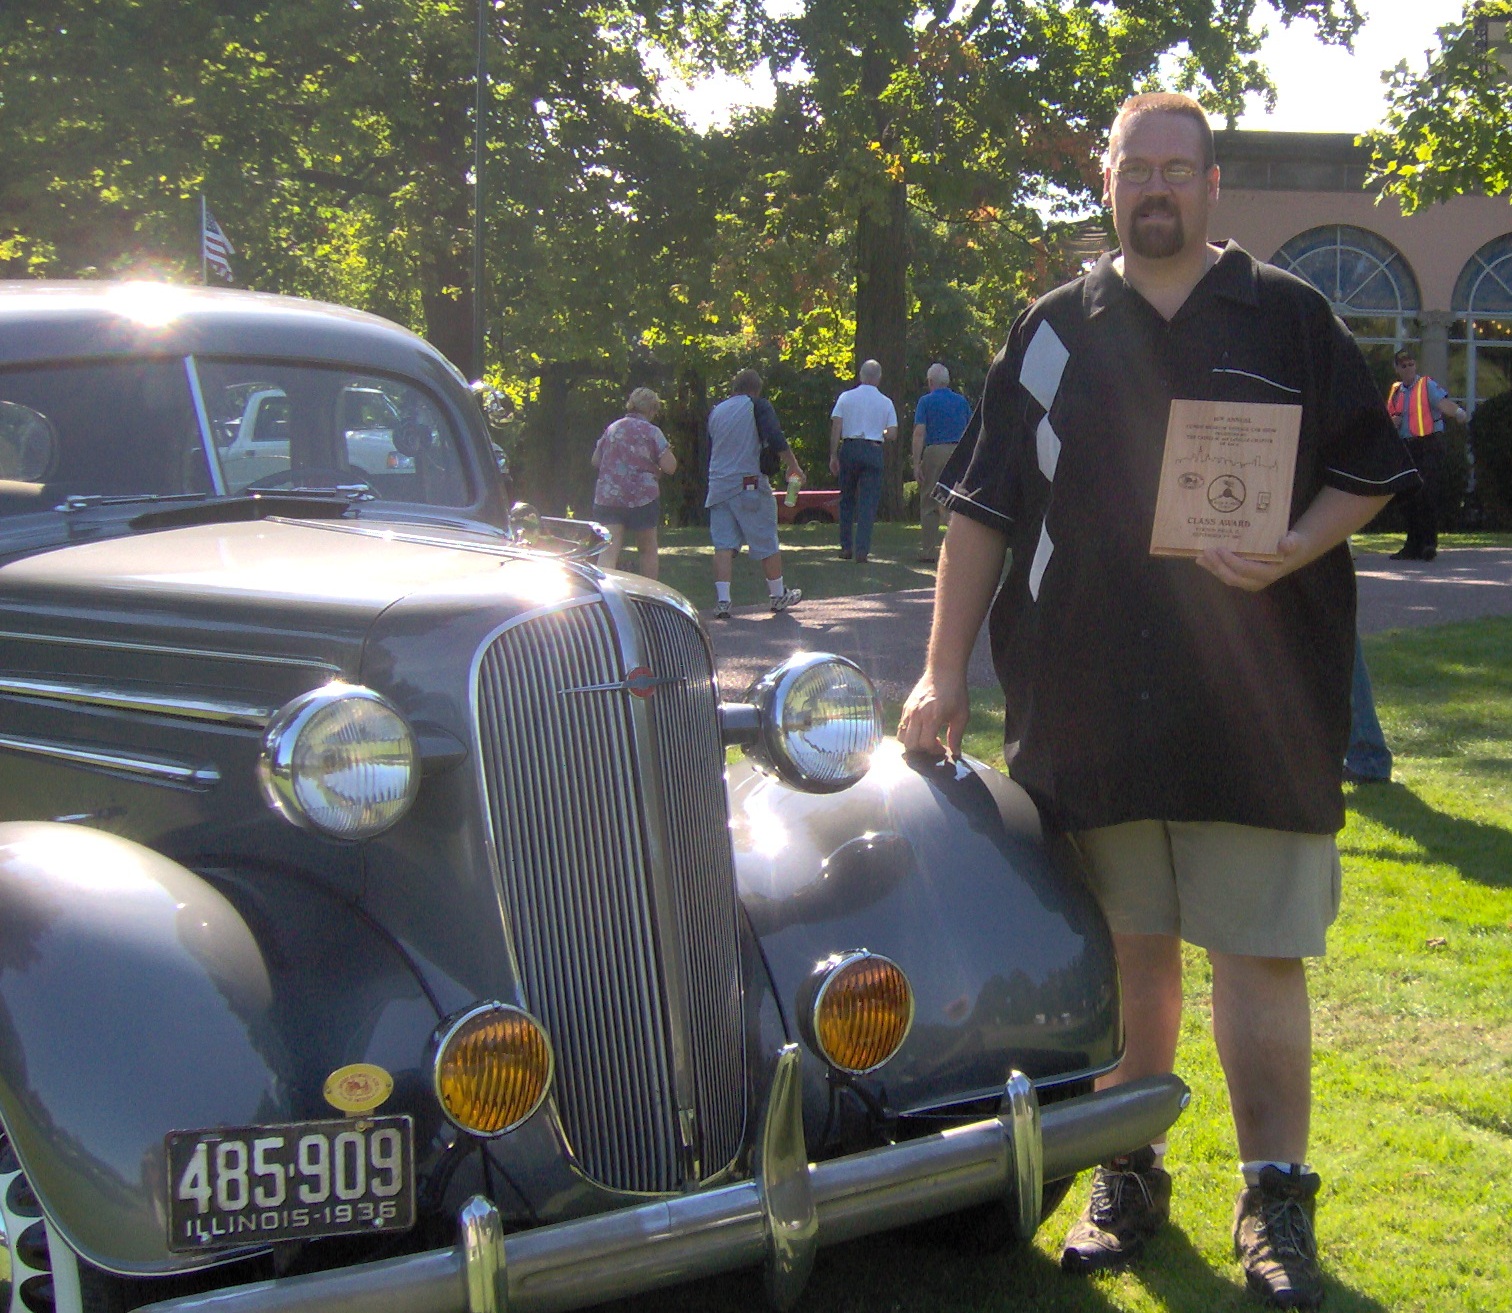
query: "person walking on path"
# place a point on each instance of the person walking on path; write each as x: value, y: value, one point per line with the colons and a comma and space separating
x: 1418, y: 405
x: 740, y: 502
x: 940, y: 419
x: 1184, y: 720
x: 863, y: 419
x: 631, y: 454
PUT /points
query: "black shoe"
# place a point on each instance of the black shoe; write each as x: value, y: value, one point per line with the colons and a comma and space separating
x: 1131, y: 1200
x: 1274, y: 1241
x: 845, y: 553
x: 1428, y: 553
x: 861, y: 558
x: 1405, y: 555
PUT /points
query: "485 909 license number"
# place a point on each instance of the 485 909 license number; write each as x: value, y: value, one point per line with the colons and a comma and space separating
x: 247, y: 1185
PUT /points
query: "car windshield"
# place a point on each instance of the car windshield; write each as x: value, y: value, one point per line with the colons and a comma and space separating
x: 176, y: 426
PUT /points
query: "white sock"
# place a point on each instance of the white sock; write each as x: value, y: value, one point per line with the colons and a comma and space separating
x: 722, y: 590
x: 776, y: 587
x: 1251, y: 1170
x: 1159, y: 1146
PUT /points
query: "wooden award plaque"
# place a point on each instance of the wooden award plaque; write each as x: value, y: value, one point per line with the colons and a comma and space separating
x: 1226, y: 478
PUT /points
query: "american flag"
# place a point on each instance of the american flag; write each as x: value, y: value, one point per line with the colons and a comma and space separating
x: 215, y: 247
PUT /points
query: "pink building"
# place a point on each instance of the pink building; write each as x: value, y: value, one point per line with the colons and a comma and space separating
x: 1439, y: 281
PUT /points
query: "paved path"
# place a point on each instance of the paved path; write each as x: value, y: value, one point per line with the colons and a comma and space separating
x: 886, y: 633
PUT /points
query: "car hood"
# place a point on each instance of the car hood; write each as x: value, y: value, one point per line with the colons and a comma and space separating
x: 307, y: 590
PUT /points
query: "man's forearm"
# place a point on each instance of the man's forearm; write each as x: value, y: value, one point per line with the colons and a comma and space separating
x: 834, y: 436
x: 1329, y: 520
x: 970, y: 566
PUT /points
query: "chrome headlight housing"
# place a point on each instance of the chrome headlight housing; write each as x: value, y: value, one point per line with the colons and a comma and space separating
x: 820, y: 722
x: 341, y: 761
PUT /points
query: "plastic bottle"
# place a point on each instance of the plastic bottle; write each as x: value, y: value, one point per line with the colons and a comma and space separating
x: 792, y: 490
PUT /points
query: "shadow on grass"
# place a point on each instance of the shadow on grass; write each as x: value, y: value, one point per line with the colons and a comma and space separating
x: 913, y: 1271
x: 1479, y: 852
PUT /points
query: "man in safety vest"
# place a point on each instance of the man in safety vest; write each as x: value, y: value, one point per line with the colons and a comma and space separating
x: 1418, y: 405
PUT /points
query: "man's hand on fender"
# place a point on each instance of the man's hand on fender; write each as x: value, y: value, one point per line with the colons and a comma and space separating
x: 1252, y: 576
x: 934, y: 716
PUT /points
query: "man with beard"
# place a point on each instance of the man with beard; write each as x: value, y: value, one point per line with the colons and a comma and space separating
x: 1184, y: 720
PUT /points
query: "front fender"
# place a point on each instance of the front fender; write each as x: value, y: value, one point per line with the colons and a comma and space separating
x: 943, y: 868
x: 137, y: 998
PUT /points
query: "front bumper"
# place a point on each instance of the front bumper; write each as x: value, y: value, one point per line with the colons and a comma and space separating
x: 778, y: 1218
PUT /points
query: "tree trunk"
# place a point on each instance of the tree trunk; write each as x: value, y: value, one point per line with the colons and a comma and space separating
x: 541, y: 478
x: 882, y: 281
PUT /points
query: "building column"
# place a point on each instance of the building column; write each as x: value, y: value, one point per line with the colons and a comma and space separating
x: 1433, y: 348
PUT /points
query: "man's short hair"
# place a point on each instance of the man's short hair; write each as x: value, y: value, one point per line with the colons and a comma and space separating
x: 1164, y: 102
x: 747, y: 381
x: 1404, y: 357
x: 937, y: 375
x: 870, y: 372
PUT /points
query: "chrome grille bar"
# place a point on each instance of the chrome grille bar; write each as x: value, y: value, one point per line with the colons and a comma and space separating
x: 692, y: 757
x: 567, y: 824
x: 569, y: 797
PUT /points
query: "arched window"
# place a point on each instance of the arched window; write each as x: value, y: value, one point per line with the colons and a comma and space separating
x: 1365, y: 278
x: 1481, y: 338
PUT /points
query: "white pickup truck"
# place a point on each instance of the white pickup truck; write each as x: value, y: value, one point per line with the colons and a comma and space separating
x: 256, y: 444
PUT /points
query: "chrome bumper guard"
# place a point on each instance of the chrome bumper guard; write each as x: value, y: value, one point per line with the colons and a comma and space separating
x: 778, y: 1218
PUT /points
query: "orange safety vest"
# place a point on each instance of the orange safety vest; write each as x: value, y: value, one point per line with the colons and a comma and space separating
x: 1419, y: 407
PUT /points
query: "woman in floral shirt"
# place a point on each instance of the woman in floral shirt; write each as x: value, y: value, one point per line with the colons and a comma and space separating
x: 630, y: 456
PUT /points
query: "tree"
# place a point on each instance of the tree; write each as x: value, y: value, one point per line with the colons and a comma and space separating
x: 1448, y: 127
x: 973, y: 111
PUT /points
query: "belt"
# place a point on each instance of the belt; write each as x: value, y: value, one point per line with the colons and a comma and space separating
x: 858, y: 438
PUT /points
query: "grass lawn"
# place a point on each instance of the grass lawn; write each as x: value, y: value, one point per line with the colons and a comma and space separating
x: 1412, y: 1126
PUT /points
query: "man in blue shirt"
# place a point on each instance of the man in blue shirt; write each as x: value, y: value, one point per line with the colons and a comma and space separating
x: 1418, y: 405
x: 939, y: 420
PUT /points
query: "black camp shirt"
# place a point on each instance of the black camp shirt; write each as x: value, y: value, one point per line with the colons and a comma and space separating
x: 1141, y: 687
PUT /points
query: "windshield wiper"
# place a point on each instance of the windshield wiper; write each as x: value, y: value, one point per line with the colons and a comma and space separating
x: 76, y: 502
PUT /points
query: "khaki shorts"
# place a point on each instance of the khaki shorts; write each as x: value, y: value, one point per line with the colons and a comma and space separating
x: 1229, y: 888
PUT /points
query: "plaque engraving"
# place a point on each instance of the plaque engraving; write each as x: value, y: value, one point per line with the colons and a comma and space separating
x: 1226, y: 478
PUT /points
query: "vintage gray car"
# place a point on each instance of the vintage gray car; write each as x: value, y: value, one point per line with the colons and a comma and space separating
x: 381, y: 926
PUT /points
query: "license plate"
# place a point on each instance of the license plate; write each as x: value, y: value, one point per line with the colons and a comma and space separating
x: 247, y: 1185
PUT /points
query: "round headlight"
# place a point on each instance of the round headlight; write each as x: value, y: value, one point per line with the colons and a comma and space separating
x: 821, y: 720
x: 863, y: 1008
x: 493, y: 1067
x: 340, y: 760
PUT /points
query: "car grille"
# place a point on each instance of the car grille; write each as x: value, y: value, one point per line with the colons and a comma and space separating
x: 619, y: 885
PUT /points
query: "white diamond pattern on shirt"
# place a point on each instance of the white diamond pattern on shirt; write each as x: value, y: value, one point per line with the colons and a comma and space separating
x: 1044, y: 363
x: 1048, y: 444
x: 1041, y: 560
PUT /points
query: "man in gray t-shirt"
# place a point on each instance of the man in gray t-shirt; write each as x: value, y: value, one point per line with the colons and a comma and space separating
x: 740, y: 503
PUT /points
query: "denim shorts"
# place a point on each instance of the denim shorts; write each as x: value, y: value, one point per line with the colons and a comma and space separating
x: 636, y: 519
x: 1229, y: 888
x: 749, y: 517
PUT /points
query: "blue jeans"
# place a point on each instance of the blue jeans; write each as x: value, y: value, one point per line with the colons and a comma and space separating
x: 1368, y: 756
x: 860, y: 491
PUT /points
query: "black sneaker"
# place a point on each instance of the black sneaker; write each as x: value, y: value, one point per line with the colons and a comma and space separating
x: 1273, y: 1238
x: 1131, y: 1200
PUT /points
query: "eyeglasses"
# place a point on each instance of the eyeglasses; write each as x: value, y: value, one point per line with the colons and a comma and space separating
x: 1178, y: 173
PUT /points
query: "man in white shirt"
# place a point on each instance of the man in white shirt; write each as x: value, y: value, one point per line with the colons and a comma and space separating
x: 863, y: 419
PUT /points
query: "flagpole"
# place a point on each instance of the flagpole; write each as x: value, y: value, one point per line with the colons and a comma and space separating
x: 204, y: 269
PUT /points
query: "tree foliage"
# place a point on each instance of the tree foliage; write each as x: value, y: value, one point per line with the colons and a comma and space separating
x: 1448, y: 127
x: 893, y: 202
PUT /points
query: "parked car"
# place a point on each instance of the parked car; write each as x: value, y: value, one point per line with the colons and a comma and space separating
x: 380, y: 924
x: 814, y: 506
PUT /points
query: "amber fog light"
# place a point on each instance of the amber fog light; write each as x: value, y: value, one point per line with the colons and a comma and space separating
x: 493, y: 1068
x: 863, y: 1008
